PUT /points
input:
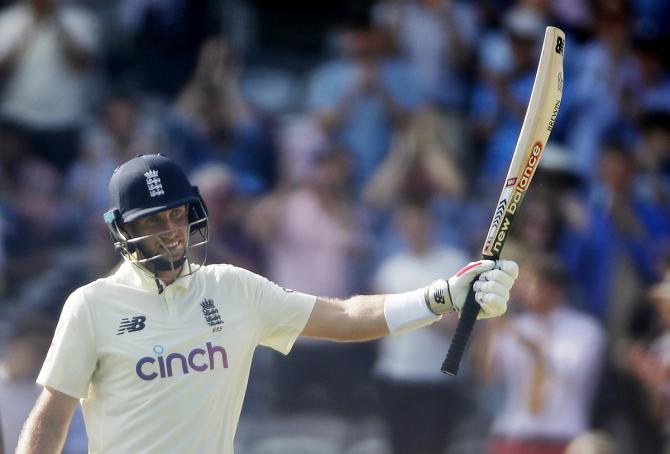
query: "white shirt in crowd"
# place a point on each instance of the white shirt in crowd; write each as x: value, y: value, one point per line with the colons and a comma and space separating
x: 573, y: 345
x: 43, y: 90
x: 168, y: 372
x: 413, y: 356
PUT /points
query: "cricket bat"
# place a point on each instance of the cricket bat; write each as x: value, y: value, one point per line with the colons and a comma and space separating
x: 545, y: 100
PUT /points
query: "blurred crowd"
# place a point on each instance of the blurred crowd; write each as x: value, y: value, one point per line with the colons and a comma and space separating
x: 359, y: 147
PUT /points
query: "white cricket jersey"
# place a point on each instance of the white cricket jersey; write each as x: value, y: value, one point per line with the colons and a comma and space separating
x: 168, y: 372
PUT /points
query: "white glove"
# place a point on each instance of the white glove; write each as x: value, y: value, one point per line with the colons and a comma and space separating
x: 492, y: 287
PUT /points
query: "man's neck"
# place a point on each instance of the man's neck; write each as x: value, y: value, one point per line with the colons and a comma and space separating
x: 168, y: 277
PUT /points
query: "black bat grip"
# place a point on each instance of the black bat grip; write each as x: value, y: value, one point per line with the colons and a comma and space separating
x: 465, y: 324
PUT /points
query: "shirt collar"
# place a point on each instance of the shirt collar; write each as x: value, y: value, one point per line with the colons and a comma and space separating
x: 135, y: 275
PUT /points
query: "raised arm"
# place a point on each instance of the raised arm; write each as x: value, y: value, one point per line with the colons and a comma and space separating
x: 358, y: 318
x: 46, y: 427
x: 362, y: 318
x: 78, y: 40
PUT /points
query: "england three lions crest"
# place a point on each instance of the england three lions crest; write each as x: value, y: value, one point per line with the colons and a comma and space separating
x: 154, y: 184
x: 211, y: 312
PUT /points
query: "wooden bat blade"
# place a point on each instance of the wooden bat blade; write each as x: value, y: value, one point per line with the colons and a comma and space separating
x: 545, y: 99
x: 541, y: 113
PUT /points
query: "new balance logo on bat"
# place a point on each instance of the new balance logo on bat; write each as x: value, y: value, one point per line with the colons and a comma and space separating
x: 560, y: 44
x: 130, y: 325
x: 529, y: 170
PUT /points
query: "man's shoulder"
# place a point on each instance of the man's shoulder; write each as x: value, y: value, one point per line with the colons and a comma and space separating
x: 94, y: 287
x: 82, y: 297
x: 231, y: 279
x: 104, y: 285
x: 223, y: 271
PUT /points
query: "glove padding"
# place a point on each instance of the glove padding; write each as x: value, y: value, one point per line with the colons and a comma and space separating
x: 494, y: 281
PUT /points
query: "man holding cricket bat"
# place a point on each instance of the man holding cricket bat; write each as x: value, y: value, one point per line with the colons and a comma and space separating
x: 159, y: 352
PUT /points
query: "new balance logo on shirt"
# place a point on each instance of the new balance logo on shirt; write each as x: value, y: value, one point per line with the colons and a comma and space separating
x: 130, y: 325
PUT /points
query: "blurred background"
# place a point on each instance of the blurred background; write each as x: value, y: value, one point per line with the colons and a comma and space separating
x: 355, y: 147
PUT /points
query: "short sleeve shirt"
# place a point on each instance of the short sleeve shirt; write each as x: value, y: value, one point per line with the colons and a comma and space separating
x: 167, y: 372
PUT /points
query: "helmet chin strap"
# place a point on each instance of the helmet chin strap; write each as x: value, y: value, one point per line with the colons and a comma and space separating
x: 162, y: 264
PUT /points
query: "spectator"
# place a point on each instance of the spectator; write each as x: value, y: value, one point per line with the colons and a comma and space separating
x: 555, y: 201
x: 412, y: 388
x: 617, y: 250
x: 156, y: 42
x: 123, y: 131
x: 36, y: 223
x: 653, y: 156
x: 501, y: 96
x: 47, y: 52
x: 438, y: 39
x: 573, y: 16
x: 610, y: 221
x: 423, y: 162
x: 211, y: 121
x: 424, y: 165
x: 548, y: 358
x: 650, y: 89
x: 311, y: 234
x: 650, y: 367
x: 537, y: 227
x: 300, y: 141
x: 606, y: 66
x: 650, y: 17
x: 300, y: 254
x: 361, y: 96
x: 619, y: 243
x: 227, y: 205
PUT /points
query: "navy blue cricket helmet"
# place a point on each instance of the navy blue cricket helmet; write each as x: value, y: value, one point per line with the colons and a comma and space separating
x: 146, y: 185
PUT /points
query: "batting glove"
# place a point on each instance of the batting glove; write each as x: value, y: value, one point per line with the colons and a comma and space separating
x: 494, y: 279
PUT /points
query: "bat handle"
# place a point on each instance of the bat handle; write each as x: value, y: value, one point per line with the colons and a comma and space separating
x: 465, y: 324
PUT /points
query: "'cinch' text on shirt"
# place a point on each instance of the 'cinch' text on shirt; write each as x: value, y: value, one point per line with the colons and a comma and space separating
x: 194, y: 360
